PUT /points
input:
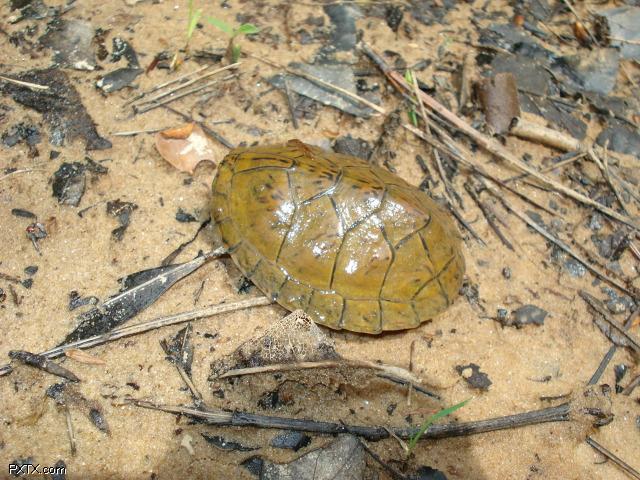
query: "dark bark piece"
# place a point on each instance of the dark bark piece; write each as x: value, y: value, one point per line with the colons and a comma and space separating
x: 499, y: 98
x: 60, y: 105
x: 145, y: 288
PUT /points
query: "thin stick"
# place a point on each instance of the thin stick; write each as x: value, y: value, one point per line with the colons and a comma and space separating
x: 33, y: 86
x: 632, y: 385
x: 190, y: 82
x: 70, y: 433
x: 550, y: 168
x: 561, y: 245
x: 460, y: 153
x: 292, y: 109
x: 165, y: 84
x: 614, y: 458
x: 449, y: 191
x: 395, y: 474
x: 490, y: 144
x: 612, y: 350
x: 547, y: 136
x: 560, y: 413
x: 283, y: 367
x: 633, y: 342
x: 607, y: 174
x: 319, y: 81
x: 151, y: 106
x: 136, y: 132
x: 489, y: 215
x: 23, y: 170
x: 175, y: 319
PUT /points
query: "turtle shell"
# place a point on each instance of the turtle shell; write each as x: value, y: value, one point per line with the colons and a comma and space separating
x: 351, y: 244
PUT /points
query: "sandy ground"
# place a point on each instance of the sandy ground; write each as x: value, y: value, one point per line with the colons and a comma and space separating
x: 79, y: 254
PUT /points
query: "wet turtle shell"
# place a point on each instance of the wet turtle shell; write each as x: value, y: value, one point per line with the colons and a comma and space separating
x: 353, y: 245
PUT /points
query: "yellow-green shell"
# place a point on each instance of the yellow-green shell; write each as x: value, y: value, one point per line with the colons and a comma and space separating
x: 353, y: 245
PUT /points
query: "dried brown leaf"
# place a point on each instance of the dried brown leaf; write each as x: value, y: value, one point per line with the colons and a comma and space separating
x: 180, y: 133
x: 185, y: 147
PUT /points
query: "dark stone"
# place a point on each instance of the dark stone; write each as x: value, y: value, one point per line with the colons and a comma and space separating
x: 291, y: 440
x: 356, y: 147
x: 394, y: 16
x: 31, y: 270
x: 69, y: 183
x: 428, y: 473
x: 184, y: 217
x: 118, y: 79
x: 21, y: 132
x: 621, y: 138
x: 224, y: 444
x: 476, y: 379
x: 19, y: 212
x: 529, y: 314
x: 254, y: 465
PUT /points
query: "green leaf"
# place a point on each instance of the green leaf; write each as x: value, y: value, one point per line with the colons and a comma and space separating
x: 246, y: 29
x: 413, y: 117
x: 409, y: 77
x: 433, y: 418
x: 194, y: 16
x: 220, y: 25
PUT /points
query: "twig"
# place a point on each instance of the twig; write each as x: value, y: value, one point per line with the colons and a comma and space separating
x: 165, y: 84
x: 461, y: 154
x: 292, y: 109
x: 490, y: 144
x: 560, y: 244
x: 121, y: 332
x: 632, y: 385
x: 23, y: 170
x: 465, y: 224
x: 560, y: 413
x: 70, y: 433
x: 607, y: 175
x: 33, y: 86
x: 614, y: 458
x: 547, y: 136
x: 191, y: 82
x: 593, y: 303
x: 395, y: 474
x: 151, y: 106
x: 136, y: 132
x: 449, y: 191
x: 398, y: 372
x: 612, y: 350
x: 489, y: 215
x: 550, y: 168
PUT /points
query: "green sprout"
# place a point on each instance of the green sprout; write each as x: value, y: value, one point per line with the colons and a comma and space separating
x: 192, y: 22
x: 430, y: 421
x: 411, y: 78
x: 233, y: 50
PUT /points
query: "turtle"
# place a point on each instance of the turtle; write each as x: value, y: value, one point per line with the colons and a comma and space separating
x: 353, y: 245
